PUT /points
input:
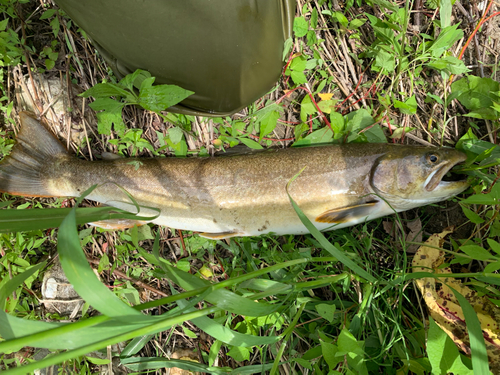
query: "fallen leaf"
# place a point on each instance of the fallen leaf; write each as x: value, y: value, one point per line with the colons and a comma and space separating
x: 444, y: 307
x: 415, y: 235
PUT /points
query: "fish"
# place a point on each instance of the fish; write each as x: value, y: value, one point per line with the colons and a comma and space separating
x: 336, y: 185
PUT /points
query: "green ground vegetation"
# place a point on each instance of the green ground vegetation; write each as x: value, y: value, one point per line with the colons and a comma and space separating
x: 341, y: 302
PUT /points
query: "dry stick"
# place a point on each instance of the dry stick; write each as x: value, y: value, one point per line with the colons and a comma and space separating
x: 418, y: 8
x: 85, y: 129
x: 337, y: 81
x: 348, y: 59
x: 476, y: 43
x: 37, y: 101
x: 24, y: 88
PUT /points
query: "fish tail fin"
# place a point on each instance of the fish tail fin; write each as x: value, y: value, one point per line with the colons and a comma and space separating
x: 21, y: 172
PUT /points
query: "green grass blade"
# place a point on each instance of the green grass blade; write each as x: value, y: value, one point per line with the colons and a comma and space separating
x: 152, y: 363
x: 83, y: 279
x: 34, y: 219
x: 135, y: 346
x: 10, y: 326
x: 70, y: 336
x: 222, y: 298
x: 338, y: 254
x: 142, y: 364
x: 477, y: 345
x: 226, y: 335
x: 159, y: 326
x: 288, y: 332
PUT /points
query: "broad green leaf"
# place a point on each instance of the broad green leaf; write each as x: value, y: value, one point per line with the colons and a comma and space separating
x: 111, y: 115
x: 338, y: 123
x: 214, y: 352
x: 300, y: 27
x: 239, y: 353
x: 105, y: 90
x: 250, y: 143
x: 477, y: 95
x: 268, y: 123
x: 298, y: 64
x: 472, y: 216
x: 47, y: 14
x: 175, y: 134
x: 492, y: 267
x: 298, y: 78
x: 356, y: 23
x: 326, y: 311
x: 443, y: 353
x: 161, y: 97
x: 450, y: 64
x: 385, y: 60
x: 323, y: 135
x: 445, y: 40
x: 329, y: 350
x: 353, y: 350
x: 409, y: 107
x: 476, y: 252
x: 97, y: 361
x: 340, y: 18
x: 307, y: 108
x: 327, y: 106
x: 314, y: 18
x: 375, y: 134
x: 495, y: 246
x: 135, y: 79
x: 491, y: 198
x: 49, y: 64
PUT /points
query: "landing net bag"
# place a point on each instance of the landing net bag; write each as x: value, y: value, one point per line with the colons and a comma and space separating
x: 229, y: 52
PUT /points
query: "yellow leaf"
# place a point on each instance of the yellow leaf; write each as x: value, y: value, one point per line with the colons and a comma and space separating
x: 444, y: 307
x: 206, y: 272
x: 326, y: 96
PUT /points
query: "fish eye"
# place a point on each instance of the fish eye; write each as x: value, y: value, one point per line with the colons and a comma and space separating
x: 433, y: 158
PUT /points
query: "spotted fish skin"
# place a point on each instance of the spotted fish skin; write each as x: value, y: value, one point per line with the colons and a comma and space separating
x: 240, y: 195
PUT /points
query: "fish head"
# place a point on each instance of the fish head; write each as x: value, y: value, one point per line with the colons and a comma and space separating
x: 408, y: 177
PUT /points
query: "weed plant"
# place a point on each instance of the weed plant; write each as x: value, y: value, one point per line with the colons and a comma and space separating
x: 341, y: 302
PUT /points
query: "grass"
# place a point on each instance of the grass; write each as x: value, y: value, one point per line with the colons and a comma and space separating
x: 338, y: 302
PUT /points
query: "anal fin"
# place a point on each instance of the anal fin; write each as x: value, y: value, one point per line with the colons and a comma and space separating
x: 117, y: 224
x: 346, y: 214
x: 221, y: 235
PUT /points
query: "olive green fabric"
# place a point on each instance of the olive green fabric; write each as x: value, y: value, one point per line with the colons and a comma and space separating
x: 229, y: 52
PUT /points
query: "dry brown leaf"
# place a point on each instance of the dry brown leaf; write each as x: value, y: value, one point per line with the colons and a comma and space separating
x: 186, y: 355
x: 444, y: 307
x: 415, y: 235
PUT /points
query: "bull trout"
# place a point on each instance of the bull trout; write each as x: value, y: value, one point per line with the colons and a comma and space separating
x: 240, y: 195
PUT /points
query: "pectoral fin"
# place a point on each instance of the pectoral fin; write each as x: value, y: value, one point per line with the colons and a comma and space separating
x: 220, y: 236
x: 346, y: 214
x: 117, y: 224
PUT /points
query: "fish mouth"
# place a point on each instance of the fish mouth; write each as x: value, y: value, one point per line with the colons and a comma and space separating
x: 438, y: 179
